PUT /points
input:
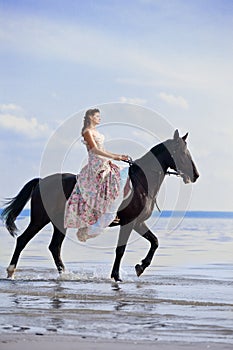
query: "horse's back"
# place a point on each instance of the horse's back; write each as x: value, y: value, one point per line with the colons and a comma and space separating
x: 56, y: 186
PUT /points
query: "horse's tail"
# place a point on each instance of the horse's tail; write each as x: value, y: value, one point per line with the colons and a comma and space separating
x: 16, y: 204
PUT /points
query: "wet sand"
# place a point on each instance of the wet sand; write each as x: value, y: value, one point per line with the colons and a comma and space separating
x: 61, y: 342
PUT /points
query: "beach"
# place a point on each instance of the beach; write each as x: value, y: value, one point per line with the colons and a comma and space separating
x: 182, y: 301
x: 15, y: 342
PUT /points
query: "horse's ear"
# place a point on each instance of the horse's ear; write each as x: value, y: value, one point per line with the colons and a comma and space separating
x: 176, y: 135
x: 185, y: 136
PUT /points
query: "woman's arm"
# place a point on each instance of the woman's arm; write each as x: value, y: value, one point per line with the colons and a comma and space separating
x: 94, y: 148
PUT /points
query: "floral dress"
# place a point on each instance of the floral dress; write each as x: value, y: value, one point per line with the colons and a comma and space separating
x: 97, y: 194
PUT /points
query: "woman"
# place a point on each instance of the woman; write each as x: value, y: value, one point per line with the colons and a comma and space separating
x: 101, y: 185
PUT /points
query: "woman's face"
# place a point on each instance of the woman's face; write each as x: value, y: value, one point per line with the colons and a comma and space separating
x: 96, y: 118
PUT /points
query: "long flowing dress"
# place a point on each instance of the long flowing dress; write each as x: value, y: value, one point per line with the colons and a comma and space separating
x: 97, y: 194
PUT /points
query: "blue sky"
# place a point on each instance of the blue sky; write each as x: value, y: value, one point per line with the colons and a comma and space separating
x: 60, y: 57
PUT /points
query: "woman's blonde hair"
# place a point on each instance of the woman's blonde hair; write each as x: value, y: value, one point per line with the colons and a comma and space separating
x: 86, y: 119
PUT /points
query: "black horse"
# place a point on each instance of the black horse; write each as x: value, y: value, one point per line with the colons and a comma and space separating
x: 49, y: 196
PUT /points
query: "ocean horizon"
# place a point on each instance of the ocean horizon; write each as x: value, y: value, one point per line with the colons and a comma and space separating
x: 199, y: 214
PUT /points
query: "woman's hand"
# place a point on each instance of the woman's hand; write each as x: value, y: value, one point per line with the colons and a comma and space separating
x: 121, y: 157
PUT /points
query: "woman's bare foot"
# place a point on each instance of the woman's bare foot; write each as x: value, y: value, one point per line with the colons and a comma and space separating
x: 82, y: 234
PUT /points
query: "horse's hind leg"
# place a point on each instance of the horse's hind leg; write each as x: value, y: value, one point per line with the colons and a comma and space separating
x: 145, y: 232
x: 22, y: 240
x: 55, y: 248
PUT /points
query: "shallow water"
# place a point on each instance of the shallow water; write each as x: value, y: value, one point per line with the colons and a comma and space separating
x: 186, y: 294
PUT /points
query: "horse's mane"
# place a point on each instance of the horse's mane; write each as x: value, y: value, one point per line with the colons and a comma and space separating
x: 158, y: 149
x: 136, y: 172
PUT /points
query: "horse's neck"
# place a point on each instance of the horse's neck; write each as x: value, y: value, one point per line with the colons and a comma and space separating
x: 154, y: 169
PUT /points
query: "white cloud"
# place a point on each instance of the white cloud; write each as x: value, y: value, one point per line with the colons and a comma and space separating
x: 20, y: 124
x: 54, y: 95
x: 174, y: 100
x: 134, y: 100
x: 142, y: 82
x: 10, y: 107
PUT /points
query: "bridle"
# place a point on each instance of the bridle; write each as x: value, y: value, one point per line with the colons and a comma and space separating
x: 131, y: 162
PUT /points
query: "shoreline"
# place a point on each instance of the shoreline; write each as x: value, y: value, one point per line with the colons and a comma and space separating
x: 12, y: 341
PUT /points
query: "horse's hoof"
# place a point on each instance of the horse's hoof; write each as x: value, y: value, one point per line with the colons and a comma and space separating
x: 10, y: 271
x: 116, y: 277
x: 61, y: 271
x: 115, y: 286
x: 139, y: 270
x: 117, y: 280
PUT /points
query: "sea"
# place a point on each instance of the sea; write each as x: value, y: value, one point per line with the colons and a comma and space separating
x: 186, y: 294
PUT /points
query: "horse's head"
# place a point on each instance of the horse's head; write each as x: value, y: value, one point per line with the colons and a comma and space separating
x: 180, y: 158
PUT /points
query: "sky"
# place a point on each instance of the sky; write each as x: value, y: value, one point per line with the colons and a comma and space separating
x: 173, y: 57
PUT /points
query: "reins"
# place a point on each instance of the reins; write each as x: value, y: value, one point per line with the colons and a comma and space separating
x: 131, y: 162
x: 176, y: 173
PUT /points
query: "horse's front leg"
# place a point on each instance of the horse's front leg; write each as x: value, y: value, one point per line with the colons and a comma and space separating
x: 120, y: 249
x: 145, y: 232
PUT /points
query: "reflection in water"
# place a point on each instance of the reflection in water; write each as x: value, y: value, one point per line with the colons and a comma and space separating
x: 115, y: 286
x: 120, y: 305
x: 56, y: 322
x: 56, y: 303
x: 58, y: 287
x: 15, y: 299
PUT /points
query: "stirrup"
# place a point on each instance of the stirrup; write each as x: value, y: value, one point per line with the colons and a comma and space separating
x: 116, y: 220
